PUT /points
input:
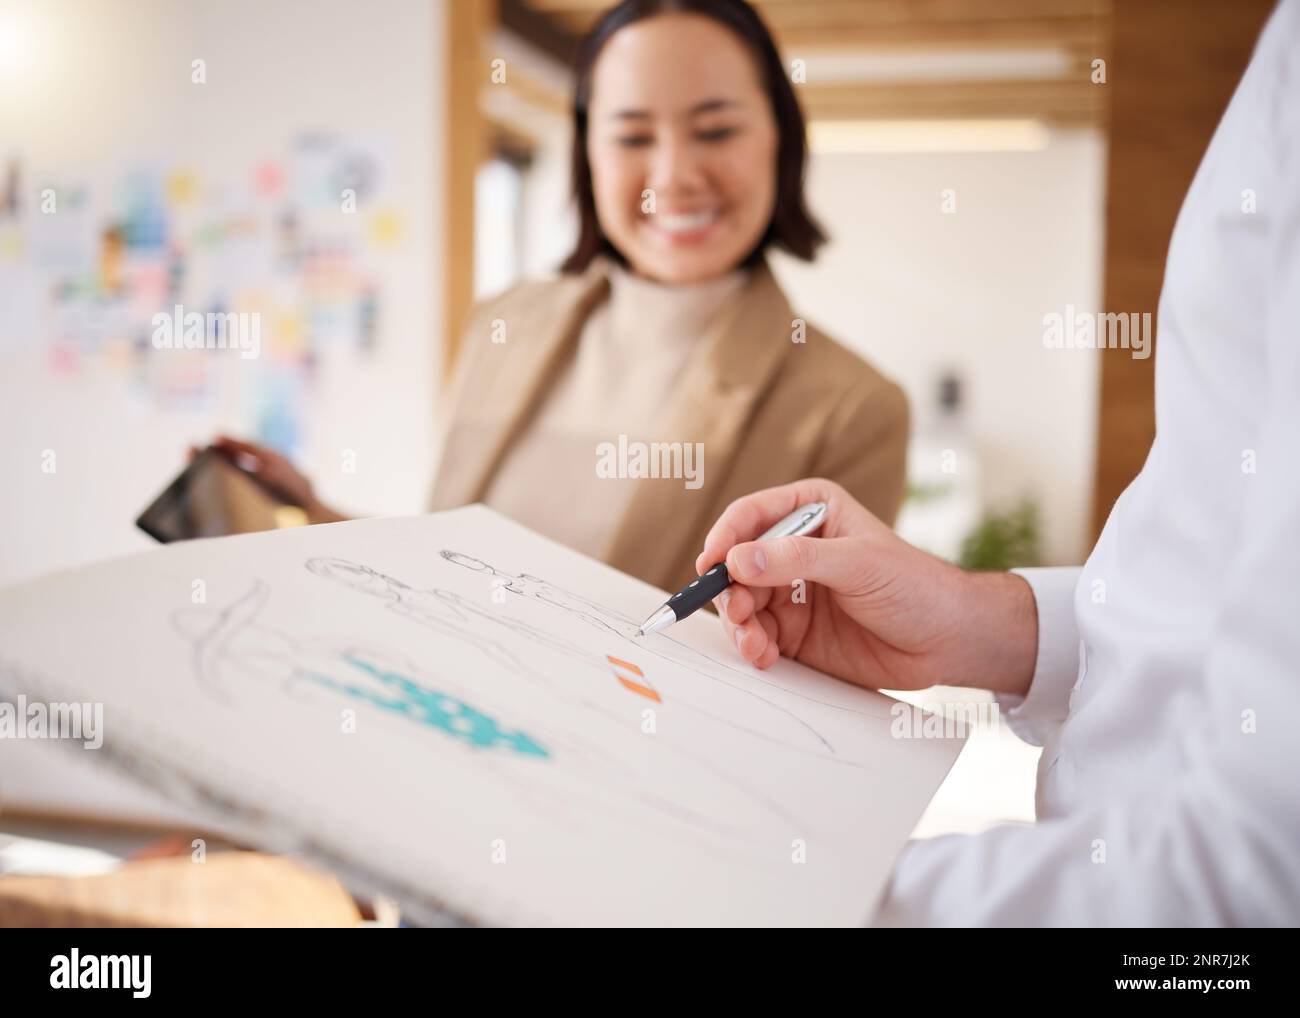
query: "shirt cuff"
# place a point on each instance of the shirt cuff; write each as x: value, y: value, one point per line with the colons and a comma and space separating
x: 1056, y: 668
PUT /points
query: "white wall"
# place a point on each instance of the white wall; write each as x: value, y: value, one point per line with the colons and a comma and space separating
x: 550, y: 215
x: 107, y: 85
x: 917, y: 291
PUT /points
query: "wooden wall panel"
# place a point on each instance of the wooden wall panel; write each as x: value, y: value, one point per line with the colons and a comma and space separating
x: 1173, y: 67
x: 465, y: 26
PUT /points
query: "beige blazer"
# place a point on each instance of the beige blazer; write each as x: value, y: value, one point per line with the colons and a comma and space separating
x: 767, y: 409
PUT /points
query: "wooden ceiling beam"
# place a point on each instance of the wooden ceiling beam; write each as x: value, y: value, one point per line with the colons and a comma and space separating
x: 1073, y: 102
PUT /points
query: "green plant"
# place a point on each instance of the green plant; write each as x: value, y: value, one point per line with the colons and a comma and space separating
x: 1003, y: 539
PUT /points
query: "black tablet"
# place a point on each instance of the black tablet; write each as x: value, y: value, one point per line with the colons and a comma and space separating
x: 214, y: 496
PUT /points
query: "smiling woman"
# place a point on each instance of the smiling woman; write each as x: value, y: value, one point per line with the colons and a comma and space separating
x: 689, y: 145
x: 667, y: 325
x: 665, y: 328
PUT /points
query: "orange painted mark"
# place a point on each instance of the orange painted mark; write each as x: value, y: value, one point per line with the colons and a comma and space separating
x: 641, y: 689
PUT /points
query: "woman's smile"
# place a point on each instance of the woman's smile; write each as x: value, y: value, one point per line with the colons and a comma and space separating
x: 681, y: 228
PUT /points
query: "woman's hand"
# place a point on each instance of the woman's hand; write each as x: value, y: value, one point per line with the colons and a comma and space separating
x: 860, y: 603
x: 275, y: 471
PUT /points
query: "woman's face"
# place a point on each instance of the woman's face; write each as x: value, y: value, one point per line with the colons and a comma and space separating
x: 682, y: 144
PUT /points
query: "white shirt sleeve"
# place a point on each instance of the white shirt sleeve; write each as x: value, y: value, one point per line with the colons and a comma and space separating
x: 1213, y: 842
x: 1045, y: 705
x: 1212, y: 846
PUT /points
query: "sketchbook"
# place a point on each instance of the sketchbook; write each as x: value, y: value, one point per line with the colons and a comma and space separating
x: 457, y: 713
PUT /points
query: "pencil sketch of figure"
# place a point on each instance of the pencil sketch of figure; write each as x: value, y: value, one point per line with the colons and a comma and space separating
x: 236, y: 639
x: 609, y: 620
x: 455, y: 616
x: 448, y: 613
x: 533, y: 586
x: 576, y: 772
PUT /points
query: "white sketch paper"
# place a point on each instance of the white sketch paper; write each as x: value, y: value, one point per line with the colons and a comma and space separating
x: 456, y: 711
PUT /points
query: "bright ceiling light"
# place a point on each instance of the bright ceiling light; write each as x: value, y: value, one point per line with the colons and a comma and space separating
x: 853, y: 137
x: 861, y: 65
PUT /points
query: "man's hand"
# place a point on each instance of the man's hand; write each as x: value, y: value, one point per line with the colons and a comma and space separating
x: 860, y: 603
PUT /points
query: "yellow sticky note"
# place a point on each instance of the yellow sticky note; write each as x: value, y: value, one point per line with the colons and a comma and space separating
x: 385, y: 228
x: 182, y: 188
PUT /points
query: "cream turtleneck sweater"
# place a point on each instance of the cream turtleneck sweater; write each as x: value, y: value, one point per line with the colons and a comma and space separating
x: 619, y: 381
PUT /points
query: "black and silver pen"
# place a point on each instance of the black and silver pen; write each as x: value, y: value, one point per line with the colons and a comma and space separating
x: 703, y: 589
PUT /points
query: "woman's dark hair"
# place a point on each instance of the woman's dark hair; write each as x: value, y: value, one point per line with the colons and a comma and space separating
x: 791, y: 227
